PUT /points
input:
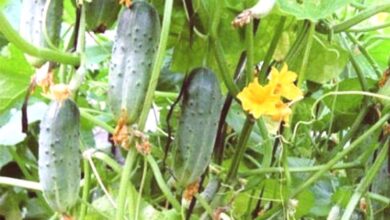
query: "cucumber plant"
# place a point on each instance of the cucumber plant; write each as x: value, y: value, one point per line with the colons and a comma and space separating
x: 276, y: 153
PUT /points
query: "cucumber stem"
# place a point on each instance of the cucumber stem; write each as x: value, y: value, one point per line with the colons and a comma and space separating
x: 240, y: 150
x: 161, y: 183
x: 249, y: 52
x: 31, y: 185
x: 355, y: 164
x: 86, y: 188
x: 371, y: 28
x: 363, y: 15
x: 365, y: 53
x: 223, y: 67
x: 306, y: 55
x: 271, y: 50
x: 48, y: 54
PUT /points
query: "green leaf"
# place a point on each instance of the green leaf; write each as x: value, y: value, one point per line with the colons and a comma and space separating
x: 326, y: 61
x: 5, y: 156
x: 9, y: 206
x: 34, y: 112
x: 346, y: 104
x: 15, y: 75
x: 342, y: 196
x: 385, y: 90
x: 380, y: 53
x: 312, y: 10
x: 305, y: 203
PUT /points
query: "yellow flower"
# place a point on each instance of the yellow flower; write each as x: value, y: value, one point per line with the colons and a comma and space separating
x: 258, y: 100
x: 283, y: 83
x: 283, y: 112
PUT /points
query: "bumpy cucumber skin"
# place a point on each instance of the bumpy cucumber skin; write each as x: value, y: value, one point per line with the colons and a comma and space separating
x: 59, y: 155
x: 101, y: 14
x: 133, y: 54
x: 32, y: 21
x: 198, y: 125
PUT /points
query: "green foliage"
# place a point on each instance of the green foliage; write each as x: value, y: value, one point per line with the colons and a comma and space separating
x: 15, y: 75
x: 313, y: 10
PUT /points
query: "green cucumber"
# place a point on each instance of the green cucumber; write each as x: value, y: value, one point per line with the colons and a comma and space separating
x: 133, y: 54
x: 59, y: 155
x: 101, y: 14
x: 40, y: 24
x: 198, y: 125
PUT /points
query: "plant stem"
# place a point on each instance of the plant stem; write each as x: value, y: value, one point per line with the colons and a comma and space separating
x: 330, y: 164
x: 78, y: 78
x: 359, y: 73
x: 372, y: 28
x: 363, y: 15
x: 379, y: 198
x: 157, y: 63
x: 365, y: 53
x: 86, y: 187
x: 161, y: 183
x: 297, y: 43
x: 31, y: 185
x: 365, y: 182
x: 94, y: 120
x: 305, y: 59
x: 203, y: 202
x: 268, y: 147
x: 249, y: 52
x: 271, y: 50
x: 354, y: 128
x: 240, y: 150
x: 223, y: 67
x: 107, y: 160
x: 355, y: 164
x: 124, y: 183
x: 144, y: 173
x: 48, y: 54
x: 169, y: 95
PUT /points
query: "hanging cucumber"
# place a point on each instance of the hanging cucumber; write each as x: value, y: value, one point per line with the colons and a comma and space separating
x: 40, y: 24
x: 59, y: 155
x: 133, y: 54
x: 194, y: 142
x: 101, y: 14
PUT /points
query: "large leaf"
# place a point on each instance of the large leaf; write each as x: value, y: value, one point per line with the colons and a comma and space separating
x: 15, y: 75
x: 326, y: 61
x: 380, y: 53
x: 311, y: 9
x: 34, y: 112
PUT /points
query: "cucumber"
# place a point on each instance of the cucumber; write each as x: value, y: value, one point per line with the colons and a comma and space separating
x: 133, y: 54
x: 198, y: 125
x: 59, y: 155
x: 40, y: 24
x: 101, y: 14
